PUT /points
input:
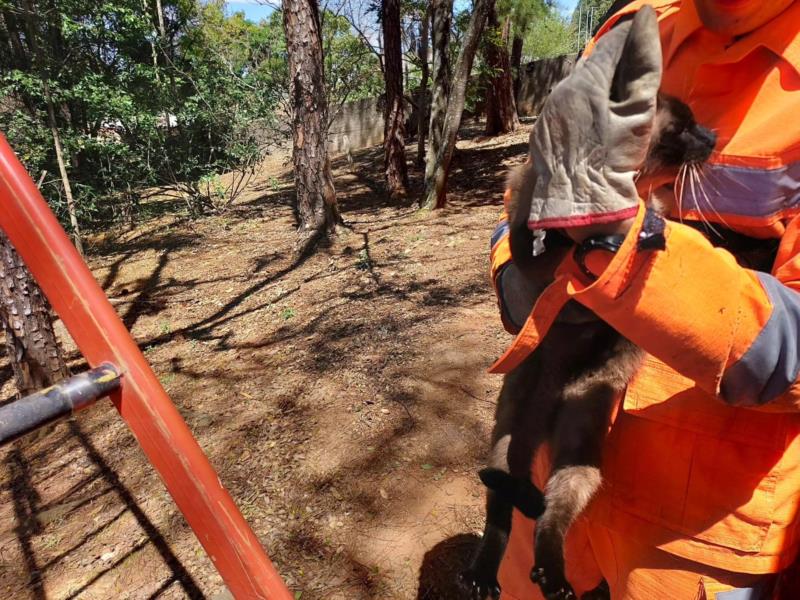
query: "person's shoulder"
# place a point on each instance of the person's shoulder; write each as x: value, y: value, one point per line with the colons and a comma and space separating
x: 624, y: 10
x: 658, y: 5
x: 621, y: 11
x: 782, y: 35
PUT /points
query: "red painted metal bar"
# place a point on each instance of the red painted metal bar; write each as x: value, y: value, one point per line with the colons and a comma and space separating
x: 142, y: 402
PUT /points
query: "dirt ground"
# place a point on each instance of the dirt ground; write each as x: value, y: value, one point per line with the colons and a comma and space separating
x: 344, y: 401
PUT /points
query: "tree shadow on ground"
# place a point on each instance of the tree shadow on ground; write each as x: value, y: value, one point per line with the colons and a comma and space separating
x: 479, y: 173
x: 33, y: 517
x: 438, y: 575
x: 401, y: 400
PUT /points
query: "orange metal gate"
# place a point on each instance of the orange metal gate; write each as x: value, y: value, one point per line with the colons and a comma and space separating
x: 141, y: 401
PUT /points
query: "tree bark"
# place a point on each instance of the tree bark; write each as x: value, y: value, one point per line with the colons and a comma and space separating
x: 436, y: 184
x: 516, y: 63
x: 423, y: 106
x: 442, y: 15
x: 32, y: 346
x: 315, y: 209
x: 20, y: 57
x: 394, y: 148
x: 501, y: 108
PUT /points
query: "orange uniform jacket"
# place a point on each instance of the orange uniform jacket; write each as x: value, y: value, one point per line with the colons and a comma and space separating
x: 703, y: 459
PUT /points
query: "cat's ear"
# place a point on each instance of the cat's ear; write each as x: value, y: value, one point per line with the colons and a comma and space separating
x: 637, y: 76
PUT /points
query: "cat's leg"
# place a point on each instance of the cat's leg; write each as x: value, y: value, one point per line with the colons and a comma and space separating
x: 517, y: 490
x: 577, y: 450
x: 516, y: 434
x: 577, y: 442
x: 480, y: 578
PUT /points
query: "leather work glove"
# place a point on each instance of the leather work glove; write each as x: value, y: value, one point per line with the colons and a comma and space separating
x: 594, y: 131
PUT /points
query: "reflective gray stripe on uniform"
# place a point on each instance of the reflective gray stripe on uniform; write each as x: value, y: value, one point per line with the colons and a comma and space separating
x: 761, y: 591
x: 772, y: 363
x: 729, y: 190
x: 499, y: 232
x: 740, y: 594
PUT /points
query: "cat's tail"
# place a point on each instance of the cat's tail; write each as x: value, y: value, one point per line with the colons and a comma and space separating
x: 520, y: 493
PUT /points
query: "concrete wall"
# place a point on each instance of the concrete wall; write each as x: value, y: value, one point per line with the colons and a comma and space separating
x: 359, y: 124
x: 537, y: 79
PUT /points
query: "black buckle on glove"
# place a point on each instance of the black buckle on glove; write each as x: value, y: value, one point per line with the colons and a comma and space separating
x: 651, y: 237
x: 608, y: 243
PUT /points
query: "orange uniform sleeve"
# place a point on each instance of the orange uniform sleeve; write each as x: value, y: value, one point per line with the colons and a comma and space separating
x: 500, y: 258
x: 734, y: 331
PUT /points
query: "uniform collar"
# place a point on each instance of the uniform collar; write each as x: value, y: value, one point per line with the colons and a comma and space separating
x: 781, y: 36
x: 686, y: 23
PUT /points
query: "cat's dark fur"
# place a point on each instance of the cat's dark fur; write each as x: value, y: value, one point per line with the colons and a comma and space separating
x: 564, y: 392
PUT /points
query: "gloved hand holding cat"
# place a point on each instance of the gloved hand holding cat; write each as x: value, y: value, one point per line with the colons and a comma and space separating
x: 594, y: 133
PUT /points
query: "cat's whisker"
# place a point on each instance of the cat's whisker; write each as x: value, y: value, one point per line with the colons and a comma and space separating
x: 680, y: 180
x: 703, y: 195
x: 696, y: 198
x: 708, y: 210
x: 693, y: 185
x: 738, y: 182
x: 650, y: 194
x: 699, y: 172
x: 708, y: 183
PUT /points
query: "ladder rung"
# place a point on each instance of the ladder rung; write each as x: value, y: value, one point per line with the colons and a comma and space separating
x: 45, y: 406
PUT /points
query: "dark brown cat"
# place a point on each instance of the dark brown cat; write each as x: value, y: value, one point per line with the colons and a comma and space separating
x: 564, y: 392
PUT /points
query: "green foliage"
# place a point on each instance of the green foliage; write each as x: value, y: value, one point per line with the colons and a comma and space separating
x: 523, y: 13
x: 233, y: 80
x: 549, y: 35
x: 596, y: 7
x: 364, y: 262
x: 188, y: 111
x: 352, y: 70
x: 134, y: 108
x: 587, y: 18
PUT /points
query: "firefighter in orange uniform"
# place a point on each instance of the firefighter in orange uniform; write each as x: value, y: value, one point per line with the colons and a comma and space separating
x: 702, y: 463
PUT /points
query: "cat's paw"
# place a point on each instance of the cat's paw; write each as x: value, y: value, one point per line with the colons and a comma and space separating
x: 553, y: 584
x: 601, y: 592
x: 548, y: 559
x: 478, y: 586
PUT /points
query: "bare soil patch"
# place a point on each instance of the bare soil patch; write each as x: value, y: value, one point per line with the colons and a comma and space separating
x: 344, y: 401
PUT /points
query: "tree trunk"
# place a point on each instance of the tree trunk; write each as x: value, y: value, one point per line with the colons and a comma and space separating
x: 422, y: 102
x: 316, y: 210
x: 436, y: 185
x: 153, y: 52
x: 442, y: 14
x: 516, y: 63
x: 32, y: 346
x: 51, y: 117
x: 394, y: 148
x: 21, y: 57
x: 62, y: 169
x: 162, y: 31
x: 501, y: 109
